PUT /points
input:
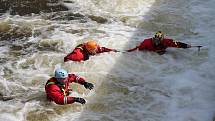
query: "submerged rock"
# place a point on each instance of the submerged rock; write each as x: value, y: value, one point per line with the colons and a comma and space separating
x: 15, y: 33
x: 65, y: 16
x: 67, y: 1
x: 4, y: 26
x: 98, y: 19
x: 6, y: 98
x: 49, y: 44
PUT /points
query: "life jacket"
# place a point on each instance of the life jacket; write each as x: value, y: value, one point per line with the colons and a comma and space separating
x: 63, y: 87
x: 84, y: 51
x: 160, y: 49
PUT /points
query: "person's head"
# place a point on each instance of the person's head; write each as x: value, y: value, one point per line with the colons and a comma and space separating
x: 159, y: 36
x: 91, y: 46
x: 61, y: 75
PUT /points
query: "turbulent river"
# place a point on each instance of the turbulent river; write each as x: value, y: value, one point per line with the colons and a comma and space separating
x: 137, y: 86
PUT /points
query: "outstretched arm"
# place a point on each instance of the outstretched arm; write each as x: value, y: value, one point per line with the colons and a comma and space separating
x: 141, y: 46
x: 183, y: 45
x: 133, y: 49
x: 177, y: 44
x: 104, y: 49
x: 80, y: 80
x: 76, y: 79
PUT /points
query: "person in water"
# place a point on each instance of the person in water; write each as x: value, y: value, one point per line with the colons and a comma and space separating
x: 57, y: 87
x: 83, y: 51
x: 159, y: 44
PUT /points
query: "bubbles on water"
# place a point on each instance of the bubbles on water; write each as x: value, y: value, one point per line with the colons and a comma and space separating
x: 128, y: 86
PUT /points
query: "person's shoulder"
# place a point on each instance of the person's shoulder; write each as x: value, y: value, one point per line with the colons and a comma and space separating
x: 80, y: 45
x: 52, y: 87
x: 168, y: 39
x: 148, y: 39
x: 71, y: 75
x: 51, y: 78
x: 51, y: 81
x: 78, y: 49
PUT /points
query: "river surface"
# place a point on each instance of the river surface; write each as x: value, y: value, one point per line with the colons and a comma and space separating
x: 136, y: 86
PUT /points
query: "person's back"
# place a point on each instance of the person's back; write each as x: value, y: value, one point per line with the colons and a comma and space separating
x: 78, y: 54
x: 148, y: 45
x: 84, y: 51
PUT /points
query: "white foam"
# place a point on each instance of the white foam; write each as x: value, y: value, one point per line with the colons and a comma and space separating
x: 177, y: 86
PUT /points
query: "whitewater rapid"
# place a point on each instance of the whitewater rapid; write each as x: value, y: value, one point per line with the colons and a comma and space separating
x: 137, y: 86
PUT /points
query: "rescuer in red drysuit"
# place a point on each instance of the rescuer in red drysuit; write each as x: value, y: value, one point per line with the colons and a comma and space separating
x: 159, y: 44
x: 83, y: 51
x: 57, y: 88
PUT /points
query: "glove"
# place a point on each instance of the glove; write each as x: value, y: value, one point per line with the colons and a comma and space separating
x: 79, y: 100
x: 189, y: 46
x: 88, y: 85
x: 183, y: 45
x: 114, y: 50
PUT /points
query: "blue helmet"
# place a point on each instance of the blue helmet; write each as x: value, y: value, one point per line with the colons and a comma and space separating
x: 61, y: 73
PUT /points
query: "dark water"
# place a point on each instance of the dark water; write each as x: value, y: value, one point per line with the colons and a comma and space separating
x: 28, y: 7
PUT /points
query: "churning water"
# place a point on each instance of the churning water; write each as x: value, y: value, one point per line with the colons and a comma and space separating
x: 137, y: 86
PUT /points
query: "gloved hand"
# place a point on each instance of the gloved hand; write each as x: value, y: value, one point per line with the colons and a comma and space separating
x: 114, y: 50
x: 79, y: 100
x: 88, y: 85
x: 189, y: 46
